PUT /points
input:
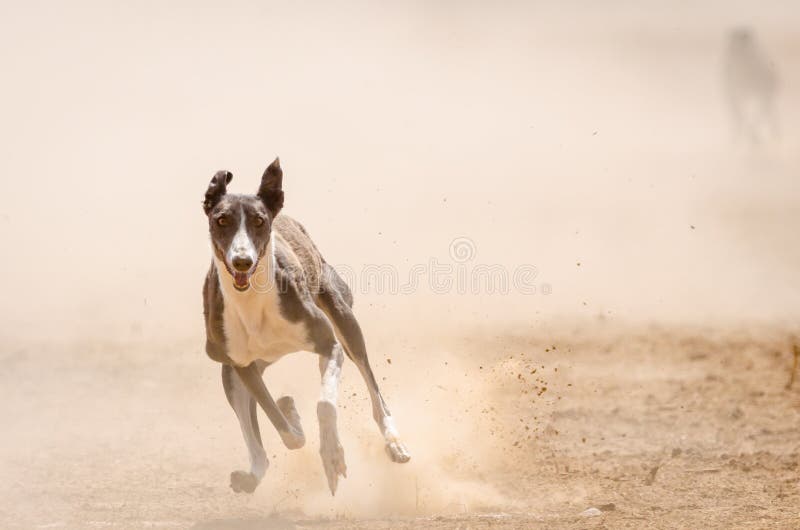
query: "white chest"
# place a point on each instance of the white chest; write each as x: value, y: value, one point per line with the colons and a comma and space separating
x: 255, y: 329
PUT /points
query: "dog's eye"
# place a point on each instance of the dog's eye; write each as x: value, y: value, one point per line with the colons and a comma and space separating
x: 259, y: 221
x: 222, y: 220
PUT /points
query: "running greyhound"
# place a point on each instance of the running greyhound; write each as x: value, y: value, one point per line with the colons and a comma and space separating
x: 267, y: 293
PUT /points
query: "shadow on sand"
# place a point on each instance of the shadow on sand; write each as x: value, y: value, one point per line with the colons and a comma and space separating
x: 273, y: 522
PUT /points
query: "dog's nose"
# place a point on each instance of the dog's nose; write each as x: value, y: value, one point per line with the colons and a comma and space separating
x: 242, y: 263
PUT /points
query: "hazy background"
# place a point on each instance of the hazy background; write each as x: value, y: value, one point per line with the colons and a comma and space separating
x: 588, y: 139
x: 548, y: 134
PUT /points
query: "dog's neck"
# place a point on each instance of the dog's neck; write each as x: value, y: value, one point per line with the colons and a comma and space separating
x: 262, y: 282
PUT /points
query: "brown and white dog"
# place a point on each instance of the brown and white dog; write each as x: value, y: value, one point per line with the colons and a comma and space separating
x: 267, y: 293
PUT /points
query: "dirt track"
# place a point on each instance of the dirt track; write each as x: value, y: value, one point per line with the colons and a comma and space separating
x: 655, y: 427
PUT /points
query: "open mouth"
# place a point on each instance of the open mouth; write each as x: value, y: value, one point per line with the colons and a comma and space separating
x: 241, y: 280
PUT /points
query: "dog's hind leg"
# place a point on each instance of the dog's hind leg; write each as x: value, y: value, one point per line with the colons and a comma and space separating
x: 245, y: 407
x: 330, y: 448
x: 335, y: 300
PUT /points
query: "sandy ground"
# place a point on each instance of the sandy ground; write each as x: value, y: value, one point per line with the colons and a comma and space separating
x: 653, y: 426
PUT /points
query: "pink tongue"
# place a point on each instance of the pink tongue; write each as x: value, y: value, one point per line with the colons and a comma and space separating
x: 240, y: 278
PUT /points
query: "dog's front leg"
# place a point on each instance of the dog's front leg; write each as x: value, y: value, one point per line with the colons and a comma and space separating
x: 330, y: 448
x: 245, y: 408
x: 289, y: 429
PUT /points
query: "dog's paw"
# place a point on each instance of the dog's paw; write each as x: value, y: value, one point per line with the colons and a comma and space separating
x: 333, y: 462
x: 397, y: 452
x: 296, y: 438
x: 286, y: 405
x: 292, y: 439
x: 330, y: 449
x: 242, y: 481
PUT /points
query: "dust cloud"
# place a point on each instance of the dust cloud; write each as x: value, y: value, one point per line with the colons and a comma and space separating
x: 581, y: 151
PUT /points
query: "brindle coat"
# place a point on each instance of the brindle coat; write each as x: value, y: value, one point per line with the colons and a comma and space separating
x: 301, y: 305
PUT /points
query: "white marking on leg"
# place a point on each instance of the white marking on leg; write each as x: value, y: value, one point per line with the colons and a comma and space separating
x: 390, y: 429
x: 331, y: 370
x: 330, y: 448
x: 379, y: 413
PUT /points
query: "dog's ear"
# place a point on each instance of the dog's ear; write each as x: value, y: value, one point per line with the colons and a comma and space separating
x: 216, y: 189
x: 271, y: 189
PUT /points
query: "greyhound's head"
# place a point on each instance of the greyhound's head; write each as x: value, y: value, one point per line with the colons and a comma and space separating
x: 240, y: 225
